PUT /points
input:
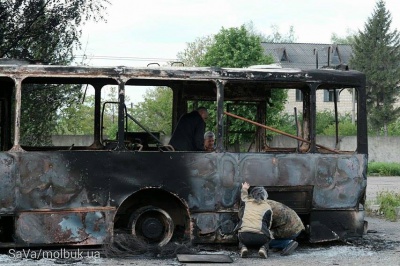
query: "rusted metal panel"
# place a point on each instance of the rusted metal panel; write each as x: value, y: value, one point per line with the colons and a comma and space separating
x: 48, y: 180
x: 214, y: 227
x: 83, y: 227
x: 340, y: 182
x: 332, y: 225
x: 274, y: 76
x: 305, y: 183
x: 207, y: 182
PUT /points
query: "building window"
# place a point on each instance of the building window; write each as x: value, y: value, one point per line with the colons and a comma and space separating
x: 329, y: 95
x: 336, y: 57
x: 284, y: 57
x: 299, y: 96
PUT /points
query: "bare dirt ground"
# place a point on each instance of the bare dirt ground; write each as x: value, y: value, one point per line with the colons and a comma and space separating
x: 380, y: 246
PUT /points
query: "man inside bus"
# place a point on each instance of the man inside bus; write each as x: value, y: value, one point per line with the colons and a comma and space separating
x: 286, y: 226
x: 209, y: 141
x: 189, y: 133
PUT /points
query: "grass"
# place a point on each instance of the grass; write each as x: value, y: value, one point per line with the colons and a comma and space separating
x: 384, y: 169
x: 388, y: 201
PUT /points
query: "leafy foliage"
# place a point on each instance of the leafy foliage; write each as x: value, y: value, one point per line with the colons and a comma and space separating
x: 78, y: 119
x: 346, y: 128
x: 324, y: 120
x: 240, y: 47
x: 40, y: 111
x: 394, y: 128
x: 45, y: 31
x: 195, y: 51
x: 388, y: 201
x: 384, y: 169
x: 155, y: 112
x: 235, y: 47
x: 278, y: 37
x: 376, y: 52
x: 348, y: 39
x: 287, y: 123
x: 326, y: 124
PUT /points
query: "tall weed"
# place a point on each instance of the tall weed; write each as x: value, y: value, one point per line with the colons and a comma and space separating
x: 384, y: 169
x: 388, y: 201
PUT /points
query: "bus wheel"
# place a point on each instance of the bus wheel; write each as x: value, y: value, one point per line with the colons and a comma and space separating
x: 152, y: 225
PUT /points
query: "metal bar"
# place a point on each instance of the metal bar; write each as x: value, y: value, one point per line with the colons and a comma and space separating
x: 144, y: 128
x: 336, y: 117
x: 220, y: 115
x: 277, y: 131
x: 121, y: 109
x: 297, y: 127
x: 97, y: 118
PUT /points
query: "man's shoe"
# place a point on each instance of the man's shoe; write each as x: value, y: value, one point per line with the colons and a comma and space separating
x: 289, y: 248
x: 244, y: 252
x: 263, y: 253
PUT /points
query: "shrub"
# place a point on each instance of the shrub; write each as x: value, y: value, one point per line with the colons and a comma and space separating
x: 346, y: 128
x: 388, y: 201
x: 384, y: 169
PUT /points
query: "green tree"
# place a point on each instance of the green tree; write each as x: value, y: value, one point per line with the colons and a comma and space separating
x: 278, y: 37
x: 376, y: 52
x: 235, y: 47
x: 394, y: 128
x: 77, y: 119
x: 45, y: 31
x: 155, y: 112
x: 348, y: 39
x: 195, y: 51
x: 244, y: 43
x: 241, y: 47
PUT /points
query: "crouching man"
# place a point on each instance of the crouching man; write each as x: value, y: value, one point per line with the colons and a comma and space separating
x: 286, y: 226
x: 255, y: 221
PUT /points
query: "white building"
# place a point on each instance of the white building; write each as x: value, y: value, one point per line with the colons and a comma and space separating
x: 314, y: 56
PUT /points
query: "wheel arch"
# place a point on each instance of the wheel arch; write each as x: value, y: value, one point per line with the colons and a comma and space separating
x: 176, y: 207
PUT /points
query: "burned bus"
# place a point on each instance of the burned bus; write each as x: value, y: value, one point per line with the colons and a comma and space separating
x: 134, y: 182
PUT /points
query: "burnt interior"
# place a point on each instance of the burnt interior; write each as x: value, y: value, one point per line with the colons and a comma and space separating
x: 236, y: 90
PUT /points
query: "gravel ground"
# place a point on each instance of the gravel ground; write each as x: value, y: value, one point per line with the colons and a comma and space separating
x: 380, y: 246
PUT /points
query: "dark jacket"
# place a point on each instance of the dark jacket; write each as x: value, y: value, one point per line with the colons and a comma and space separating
x: 189, y: 133
x: 285, y: 222
x: 257, y: 217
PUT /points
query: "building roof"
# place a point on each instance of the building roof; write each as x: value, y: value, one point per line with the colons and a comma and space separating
x: 308, y: 55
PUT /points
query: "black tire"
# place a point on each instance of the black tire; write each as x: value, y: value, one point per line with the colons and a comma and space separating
x: 151, y: 225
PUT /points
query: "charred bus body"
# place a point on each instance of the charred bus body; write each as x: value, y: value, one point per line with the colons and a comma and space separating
x: 81, y: 195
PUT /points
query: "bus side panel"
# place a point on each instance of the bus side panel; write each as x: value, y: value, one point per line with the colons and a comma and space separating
x: 72, y: 183
x: 83, y: 227
x: 340, y: 181
x: 7, y: 188
x: 315, y: 186
x: 62, y: 180
x: 329, y: 225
